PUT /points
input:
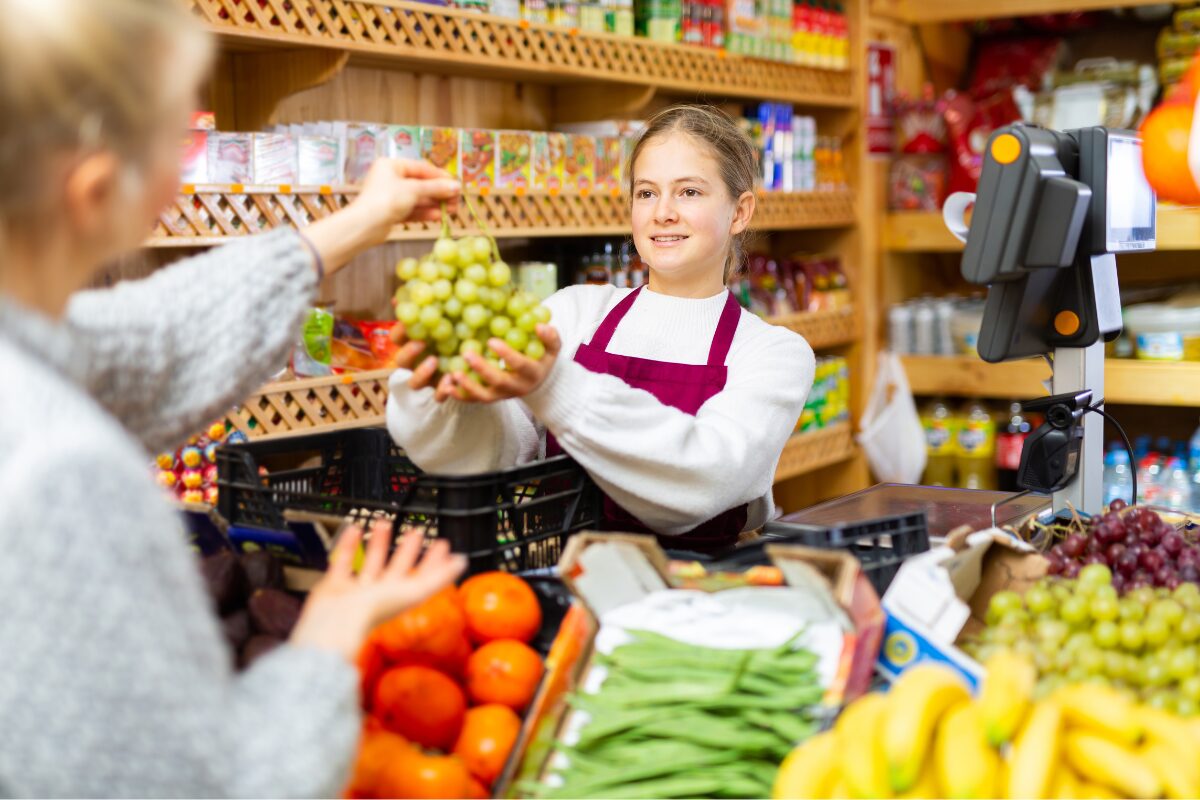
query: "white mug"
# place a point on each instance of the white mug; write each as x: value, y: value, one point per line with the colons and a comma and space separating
x: 954, y: 214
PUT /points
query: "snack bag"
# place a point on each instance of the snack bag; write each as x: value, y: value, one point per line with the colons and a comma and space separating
x: 479, y: 159
x: 440, y: 147
x: 515, y: 160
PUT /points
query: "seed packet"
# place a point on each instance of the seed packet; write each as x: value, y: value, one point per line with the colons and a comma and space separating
x: 580, y: 163
x: 609, y: 156
x: 230, y: 157
x: 195, y: 157
x: 403, y: 141
x: 515, y: 160
x: 479, y: 159
x: 440, y: 147
x: 320, y: 161
x: 551, y: 173
x: 275, y: 159
x: 364, y: 144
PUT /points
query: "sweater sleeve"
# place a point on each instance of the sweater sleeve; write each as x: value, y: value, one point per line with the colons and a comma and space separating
x: 116, y: 679
x: 455, y: 438
x: 169, y: 354
x: 670, y: 469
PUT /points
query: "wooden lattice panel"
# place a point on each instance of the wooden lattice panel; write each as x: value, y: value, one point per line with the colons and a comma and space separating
x: 212, y: 214
x: 301, y: 406
x: 822, y: 328
x: 806, y: 452
x: 485, y: 44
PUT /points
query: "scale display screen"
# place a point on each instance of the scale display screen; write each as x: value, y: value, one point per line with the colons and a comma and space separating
x: 1130, y: 217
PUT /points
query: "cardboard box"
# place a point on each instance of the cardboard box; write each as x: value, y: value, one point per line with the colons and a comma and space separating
x: 440, y: 147
x: 478, y: 158
x: 609, y: 571
x: 939, y: 598
x: 319, y: 160
x: 276, y: 159
x: 609, y: 163
x: 514, y: 161
x: 580, y: 163
x: 403, y: 141
x: 194, y: 163
x: 231, y: 158
x: 364, y: 144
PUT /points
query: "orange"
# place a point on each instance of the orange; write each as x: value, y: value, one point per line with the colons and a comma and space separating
x: 428, y: 776
x: 1165, y: 133
x: 377, y: 750
x: 476, y: 790
x: 421, y: 704
x: 370, y: 666
x: 505, y: 672
x: 488, y: 735
x: 500, y: 606
x: 430, y: 634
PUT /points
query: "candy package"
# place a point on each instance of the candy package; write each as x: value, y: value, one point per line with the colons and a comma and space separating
x: 479, y: 159
x: 515, y: 159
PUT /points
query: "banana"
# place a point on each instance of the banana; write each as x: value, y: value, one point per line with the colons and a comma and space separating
x: 1176, y: 735
x: 917, y: 701
x: 1035, y: 752
x: 926, y: 787
x: 860, y: 748
x: 1108, y: 762
x: 1005, y: 695
x: 1063, y: 785
x: 1095, y: 791
x: 967, y: 765
x: 1102, y: 710
x: 808, y: 771
x: 1178, y: 774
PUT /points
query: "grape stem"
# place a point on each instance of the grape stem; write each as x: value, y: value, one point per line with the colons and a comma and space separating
x: 484, y: 229
x: 445, y: 223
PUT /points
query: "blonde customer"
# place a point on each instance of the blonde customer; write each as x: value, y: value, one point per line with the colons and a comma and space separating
x: 114, y: 678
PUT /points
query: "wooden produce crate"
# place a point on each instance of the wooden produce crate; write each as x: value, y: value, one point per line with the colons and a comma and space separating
x: 305, y: 406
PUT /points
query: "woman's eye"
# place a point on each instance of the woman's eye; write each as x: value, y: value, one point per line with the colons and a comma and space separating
x: 691, y: 192
x: 645, y: 194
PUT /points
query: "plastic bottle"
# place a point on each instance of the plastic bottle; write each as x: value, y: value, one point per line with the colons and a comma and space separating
x: 1009, y: 444
x: 1149, y: 469
x: 976, y: 451
x: 1177, y: 486
x: 940, y: 433
x: 1117, y: 475
x: 1194, y: 465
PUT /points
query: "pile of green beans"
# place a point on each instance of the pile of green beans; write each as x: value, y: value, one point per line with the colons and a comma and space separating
x: 675, y: 720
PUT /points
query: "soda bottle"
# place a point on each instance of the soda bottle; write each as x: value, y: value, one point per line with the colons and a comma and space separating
x: 1009, y: 444
x: 1117, y: 474
x: 1177, y: 486
x: 976, y: 450
x: 940, y: 432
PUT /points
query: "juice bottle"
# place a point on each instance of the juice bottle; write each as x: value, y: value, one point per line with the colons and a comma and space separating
x: 976, y: 451
x: 1009, y: 444
x: 940, y: 434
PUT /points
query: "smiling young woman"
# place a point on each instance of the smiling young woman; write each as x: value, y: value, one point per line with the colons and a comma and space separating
x: 676, y: 401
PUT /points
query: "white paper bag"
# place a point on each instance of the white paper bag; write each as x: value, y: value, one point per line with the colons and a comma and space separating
x: 892, y: 436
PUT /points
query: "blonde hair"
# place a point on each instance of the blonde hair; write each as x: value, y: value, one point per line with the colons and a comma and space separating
x: 86, y: 75
x: 731, y: 148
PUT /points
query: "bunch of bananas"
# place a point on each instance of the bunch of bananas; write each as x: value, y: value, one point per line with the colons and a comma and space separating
x: 927, y: 738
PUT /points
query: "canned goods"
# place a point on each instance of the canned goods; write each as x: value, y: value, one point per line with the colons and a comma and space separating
x: 900, y: 329
x: 943, y: 336
x: 924, y: 330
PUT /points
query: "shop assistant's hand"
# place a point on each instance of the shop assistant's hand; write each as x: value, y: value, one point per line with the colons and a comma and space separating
x: 394, y: 191
x: 344, y: 607
x: 408, y: 356
x: 522, y: 376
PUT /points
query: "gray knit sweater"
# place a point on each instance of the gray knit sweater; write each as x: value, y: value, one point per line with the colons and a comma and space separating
x: 114, y: 677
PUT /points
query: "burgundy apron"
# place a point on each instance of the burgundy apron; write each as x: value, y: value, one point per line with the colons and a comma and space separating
x: 682, y: 386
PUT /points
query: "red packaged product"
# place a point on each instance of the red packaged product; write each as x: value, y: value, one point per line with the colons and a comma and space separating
x: 969, y: 123
x: 1004, y: 63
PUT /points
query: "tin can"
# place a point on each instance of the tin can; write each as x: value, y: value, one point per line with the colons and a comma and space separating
x: 943, y: 335
x: 900, y: 329
x: 925, y: 330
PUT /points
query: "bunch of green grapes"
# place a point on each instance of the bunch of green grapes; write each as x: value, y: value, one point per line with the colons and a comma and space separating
x: 459, y: 296
x: 1146, y: 643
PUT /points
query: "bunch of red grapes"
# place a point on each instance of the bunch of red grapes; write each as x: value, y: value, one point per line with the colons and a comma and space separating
x: 1141, y: 549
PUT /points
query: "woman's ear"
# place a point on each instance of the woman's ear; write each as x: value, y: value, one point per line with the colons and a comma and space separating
x: 743, y: 212
x: 92, y: 187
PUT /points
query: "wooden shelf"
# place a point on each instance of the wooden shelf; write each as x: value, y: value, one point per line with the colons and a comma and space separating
x: 292, y: 408
x: 807, y: 452
x: 205, y: 215
x: 822, y: 328
x: 924, y: 232
x: 1125, y: 380
x: 926, y: 11
x: 417, y: 36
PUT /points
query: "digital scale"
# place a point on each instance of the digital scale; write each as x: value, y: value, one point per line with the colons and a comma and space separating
x: 1051, y: 212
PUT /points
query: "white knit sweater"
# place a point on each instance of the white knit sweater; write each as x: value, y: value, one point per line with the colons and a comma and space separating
x: 114, y: 677
x: 669, y: 469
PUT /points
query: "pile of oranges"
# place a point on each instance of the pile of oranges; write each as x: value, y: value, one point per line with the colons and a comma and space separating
x: 443, y: 687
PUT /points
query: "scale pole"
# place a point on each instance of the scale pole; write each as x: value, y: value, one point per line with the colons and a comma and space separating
x: 1077, y: 368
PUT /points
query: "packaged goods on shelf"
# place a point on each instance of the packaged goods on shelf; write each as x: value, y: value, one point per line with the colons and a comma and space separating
x: 659, y: 20
x: 364, y: 144
x: 829, y: 399
x: 194, y: 161
x: 514, y: 159
x: 320, y: 160
x: 580, y: 162
x: 773, y: 287
x: 1177, y: 45
x: 935, y: 326
x: 189, y: 472
x: 535, y: 11
x: 548, y: 171
x: 479, y: 159
x: 403, y: 141
x: 276, y: 159
x: 791, y: 155
x: 538, y: 278
x: 1163, y: 332
x: 231, y: 157
x: 441, y: 147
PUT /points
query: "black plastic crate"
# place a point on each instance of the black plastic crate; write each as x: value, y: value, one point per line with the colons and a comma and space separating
x: 515, y: 519
x: 881, y: 545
